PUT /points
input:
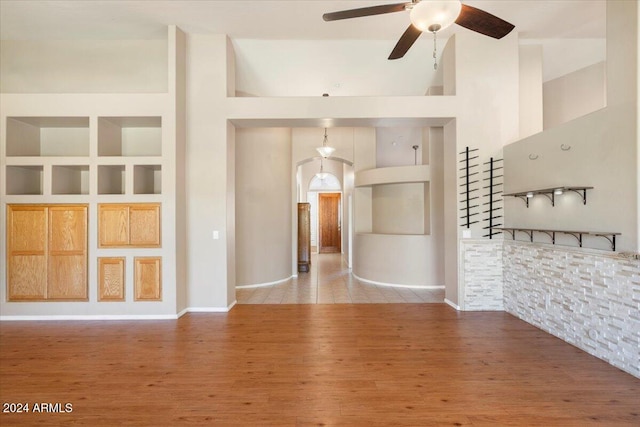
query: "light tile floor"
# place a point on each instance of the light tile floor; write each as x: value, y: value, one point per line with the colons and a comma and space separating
x: 329, y: 281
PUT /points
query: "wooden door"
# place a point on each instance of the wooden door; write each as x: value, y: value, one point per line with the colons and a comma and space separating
x: 113, y: 225
x: 27, y: 252
x: 67, y: 261
x: 329, y: 237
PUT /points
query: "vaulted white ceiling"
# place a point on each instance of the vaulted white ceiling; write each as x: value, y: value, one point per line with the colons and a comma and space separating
x: 262, y: 19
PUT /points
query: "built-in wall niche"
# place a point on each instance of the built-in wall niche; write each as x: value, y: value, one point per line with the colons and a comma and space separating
x: 129, y: 136
x: 24, y: 180
x: 400, y: 208
x: 111, y: 179
x: 70, y: 179
x: 47, y: 136
x: 147, y: 179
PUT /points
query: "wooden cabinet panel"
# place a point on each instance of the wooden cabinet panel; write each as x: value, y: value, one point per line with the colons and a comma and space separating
x: 68, y: 229
x: 47, y: 252
x: 148, y: 272
x: 144, y: 225
x: 67, y: 277
x: 27, y: 278
x: 27, y: 229
x: 67, y: 265
x: 111, y: 279
x: 26, y: 252
x: 113, y: 225
x: 129, y: 225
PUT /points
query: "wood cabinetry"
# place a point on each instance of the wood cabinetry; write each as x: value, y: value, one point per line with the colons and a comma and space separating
x: 148, y: 278
x: 129, y: 225
x: 304, y: 237
x: 47, y: 252
x: 111, y: 279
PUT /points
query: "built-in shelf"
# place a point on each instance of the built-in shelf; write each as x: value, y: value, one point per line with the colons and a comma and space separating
x: 47, y: 136
x: 147, y: 179
x: 609, y: 235
x: 551, y: 193
x: 70, y: 179
x: 24, y: 180
x: 111, y: 179
x: 130, y: 136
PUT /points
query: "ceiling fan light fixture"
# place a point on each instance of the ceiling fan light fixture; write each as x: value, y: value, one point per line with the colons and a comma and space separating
x: 435, y: 15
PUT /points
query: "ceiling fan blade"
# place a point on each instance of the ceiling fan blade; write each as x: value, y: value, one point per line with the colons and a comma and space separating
x: 483, y: 22
x: 365, y: 11
x: 406, y: 41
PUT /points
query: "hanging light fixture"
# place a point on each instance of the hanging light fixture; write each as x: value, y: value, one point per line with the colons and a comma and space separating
x: 325, y: 151
x: 322, y: 174
x: 434, y: 16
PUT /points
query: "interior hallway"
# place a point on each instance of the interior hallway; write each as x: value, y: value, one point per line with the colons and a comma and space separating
x: 329, y: 281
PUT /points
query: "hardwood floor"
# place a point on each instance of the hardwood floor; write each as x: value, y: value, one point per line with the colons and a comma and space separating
x: 299, y: 365
x: 329, y: 281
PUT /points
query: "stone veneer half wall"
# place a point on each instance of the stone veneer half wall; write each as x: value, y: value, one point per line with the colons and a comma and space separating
x: 481, y: 275
x: 588, y: 298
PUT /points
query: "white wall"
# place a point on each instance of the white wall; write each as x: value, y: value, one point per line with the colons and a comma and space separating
x: 336, y: 67
x: 394, y: 146
x: 603, y: 153
x: 574, y: 95
x: 530, y: 90
x: 398, y: 208
x: 210, y: 163
x: 263, y: 212
x: 83, y: 66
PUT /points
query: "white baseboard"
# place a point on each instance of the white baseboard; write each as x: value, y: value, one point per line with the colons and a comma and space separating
x: 452, y: 304
x: 91, y: 317
x: 258, y: 285
x: 395, y: 285
x: 120, y: 316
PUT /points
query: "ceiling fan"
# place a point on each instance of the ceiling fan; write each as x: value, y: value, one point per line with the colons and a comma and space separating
x: 432, y: 16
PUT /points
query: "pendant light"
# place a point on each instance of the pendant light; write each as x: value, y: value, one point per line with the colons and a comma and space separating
x: 325, y: 151
x: 322, y: 174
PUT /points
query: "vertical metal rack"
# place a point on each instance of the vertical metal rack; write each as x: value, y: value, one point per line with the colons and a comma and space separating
x: 470, y: 202
x: 494, y: 191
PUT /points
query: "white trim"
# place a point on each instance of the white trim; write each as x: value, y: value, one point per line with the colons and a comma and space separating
x: 396, y: 285
x: 121, y: 316
x: 91, y: 317
x: 451, y: 304
x: 265, y: 284
x: 211, y: 309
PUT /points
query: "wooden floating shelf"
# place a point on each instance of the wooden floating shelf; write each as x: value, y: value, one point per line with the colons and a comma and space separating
x: 551, y: 193
x: 609, y: 235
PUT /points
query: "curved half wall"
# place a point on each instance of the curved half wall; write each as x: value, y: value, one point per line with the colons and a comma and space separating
x: 397, y: 259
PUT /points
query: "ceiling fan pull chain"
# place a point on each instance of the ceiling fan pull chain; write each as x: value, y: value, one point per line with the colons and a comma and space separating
x: 435, y: 61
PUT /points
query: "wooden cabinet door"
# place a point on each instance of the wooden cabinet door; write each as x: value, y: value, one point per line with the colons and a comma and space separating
x: 111, y: 279
x: 26, y: 252
x: 148, y: 278
x: 113, y: 225
x: 67, y: 260
x: 144, y: 225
